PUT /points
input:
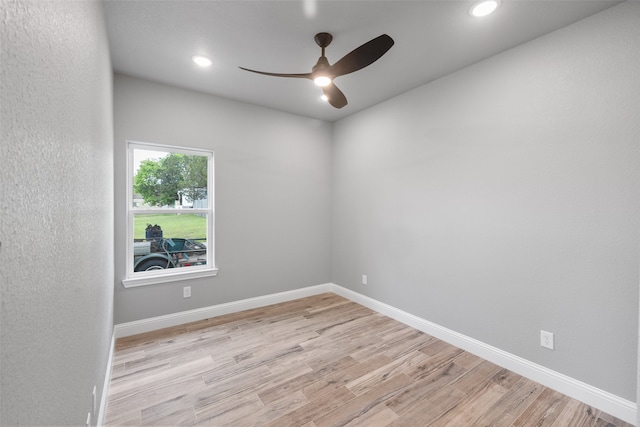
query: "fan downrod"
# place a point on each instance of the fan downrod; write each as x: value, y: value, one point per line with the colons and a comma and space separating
x: 323, y: 39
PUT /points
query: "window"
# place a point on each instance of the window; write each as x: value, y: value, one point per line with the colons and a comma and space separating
x: 169, y: 214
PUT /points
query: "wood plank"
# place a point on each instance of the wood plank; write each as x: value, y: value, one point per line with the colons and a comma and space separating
x: 370, y: 379
x: 424, y: 389
x: 275, y: 409
x: 176, y: 411
x: 512, y: 404
x: 228, y: 411
x: 429, y: 409
x: 298, y: 383
x: 543, y: 411
x: 379, y: 416
x: 314, y: 409
x: 362, y: 404
x: 576, y: 414
x: 337, y: 379
x: 471, y: 408
x: 476, y: 377
x: 321, y: 361
x: 606, y: 420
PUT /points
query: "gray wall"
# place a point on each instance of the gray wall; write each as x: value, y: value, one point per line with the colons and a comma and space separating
x: 505, y: 199
x: 272, y: 194
x: 56, y: 232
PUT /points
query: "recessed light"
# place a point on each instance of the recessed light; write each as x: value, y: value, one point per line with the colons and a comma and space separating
x: 484, y: 7
x: 202, y: 61
x: 325, y: 98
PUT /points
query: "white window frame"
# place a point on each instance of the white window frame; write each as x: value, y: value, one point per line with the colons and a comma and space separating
x: 145, y: 278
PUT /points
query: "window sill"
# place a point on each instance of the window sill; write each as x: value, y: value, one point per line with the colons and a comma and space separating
x: 133, y: 282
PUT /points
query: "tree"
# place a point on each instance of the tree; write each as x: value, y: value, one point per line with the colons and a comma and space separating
x: 195, y: 177
x: 162, y: 182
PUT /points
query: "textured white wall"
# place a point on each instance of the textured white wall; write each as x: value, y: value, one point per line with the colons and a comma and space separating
x: 56, y: 230
x: 505, y: 199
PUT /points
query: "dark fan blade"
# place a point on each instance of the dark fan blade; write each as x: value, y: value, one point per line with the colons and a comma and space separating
x: 335, y: 96
x: 362, y: 56
x: 302, y: 76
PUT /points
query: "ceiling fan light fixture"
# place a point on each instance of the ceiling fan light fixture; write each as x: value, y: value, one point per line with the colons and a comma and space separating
x: 483, y: 8
x: 200, y: 60
x: 322, y: 80
x: 323, y: 73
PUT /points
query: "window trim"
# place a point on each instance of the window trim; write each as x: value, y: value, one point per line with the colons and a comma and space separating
x: 135, y: 279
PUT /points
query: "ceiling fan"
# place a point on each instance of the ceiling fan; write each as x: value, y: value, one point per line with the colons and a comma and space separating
x: 323, y: 73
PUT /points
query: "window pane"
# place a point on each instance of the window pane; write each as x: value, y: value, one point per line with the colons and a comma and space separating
x: 169, y: 180
x: 169, y: 241
x: 170, y: 215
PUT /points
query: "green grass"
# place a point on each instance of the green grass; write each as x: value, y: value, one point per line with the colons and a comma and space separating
x: 188, y: 226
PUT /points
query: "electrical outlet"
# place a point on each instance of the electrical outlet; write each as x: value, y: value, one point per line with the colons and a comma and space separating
x: 364, y: 279
x: 186, y: 292
x: 93, y: 401
x: 546, y: 339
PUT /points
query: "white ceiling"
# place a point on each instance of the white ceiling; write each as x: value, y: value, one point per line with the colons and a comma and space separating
x: 156, y: 39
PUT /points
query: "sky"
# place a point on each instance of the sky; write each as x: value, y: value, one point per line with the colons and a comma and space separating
x: 140, y: 155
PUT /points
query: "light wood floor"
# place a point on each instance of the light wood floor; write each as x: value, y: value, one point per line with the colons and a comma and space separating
x: 321, y: 361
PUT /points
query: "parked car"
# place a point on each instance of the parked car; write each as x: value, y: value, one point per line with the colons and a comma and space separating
x: 161, y: 253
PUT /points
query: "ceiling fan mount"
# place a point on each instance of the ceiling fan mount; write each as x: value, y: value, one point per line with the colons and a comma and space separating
x: 323, y: 40
x: 323, y: 73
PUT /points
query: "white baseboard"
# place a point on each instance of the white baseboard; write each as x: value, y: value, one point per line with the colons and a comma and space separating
x: 600, y: 399
x: 102, y: 411
x: 175, y: 319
